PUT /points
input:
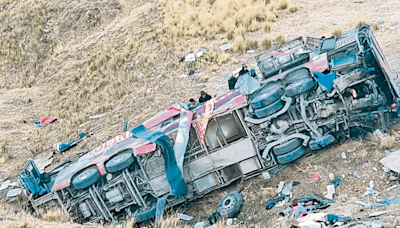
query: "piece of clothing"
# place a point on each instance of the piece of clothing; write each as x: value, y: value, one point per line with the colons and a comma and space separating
x: 232, y: 83
x: 202, y: 121
x: 243, y: 72
x: 174, y: 175
x: 45, y: 120
x: 204, y: 99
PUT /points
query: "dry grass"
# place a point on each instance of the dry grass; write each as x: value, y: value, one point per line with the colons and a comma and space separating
x: 56, y: 215
x: 280, y: 38
x: 267, y: 27
x: 168, y: 222
x: 266, y: 41
x: 223, y: 57
x: 375, y: 27
x: 251, y: 43
x: 283, y: 4
x: 196, y: 18
x: 361, y: 22
x: 337, y: 32
x: 293, y: 8
x: 238, y: 44
x: 387, y: 142
x: 214, y: 68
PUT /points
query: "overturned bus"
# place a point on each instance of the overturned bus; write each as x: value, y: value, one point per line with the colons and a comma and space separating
x: 313, y: 92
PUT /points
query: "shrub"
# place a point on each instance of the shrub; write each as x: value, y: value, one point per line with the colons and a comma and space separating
x: 238, y: 44
x: 337, y: 32
x: 293, y: 9
x: 283, y: 4
x: 251, y: 44
x: 280, y: 38
x: 266, y: 42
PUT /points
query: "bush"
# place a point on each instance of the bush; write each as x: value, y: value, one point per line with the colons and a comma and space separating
x: 238, y: 44
x: 266, y: 42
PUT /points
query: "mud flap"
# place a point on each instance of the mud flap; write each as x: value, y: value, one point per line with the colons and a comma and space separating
x: 320, y: 143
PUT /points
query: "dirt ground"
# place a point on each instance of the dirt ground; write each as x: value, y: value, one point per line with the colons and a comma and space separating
x: 21, y: 141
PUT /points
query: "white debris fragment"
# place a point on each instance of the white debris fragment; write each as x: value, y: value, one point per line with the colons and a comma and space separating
x: 331, y: 191
x: 14, y: 192
x: 266, y: 175
x: 391, y: 188
x: 184, y: 217
x: 225, y: 47
x: 97, y: 116
x: 280, y: 186
x: 190, y: 58
x: 5, y: 185
x: 378, y: 213
x: 378, y: 133
x: 199, y: 225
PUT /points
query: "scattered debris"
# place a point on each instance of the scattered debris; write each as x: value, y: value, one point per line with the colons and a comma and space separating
x: 97, y: 116
x: 149, y: 90
x: 63, y: 146
x: 225, y: 47
x: 266, y: 175
x: 380, y: 22
x: 387, y: 153
x: 378, y: 133
x: 335, y: 23
x: 5, y: 185
x: 371, y: 192
x: 190, y: 57
x: 344, y: 155
x: 201, y: 52
x: 391, y: 161
x: 14, y: 192
x: 250, y: 51
x: 45, y: 120
x: 229, y: 222
x: 391, y: 188
x: 199, y: 225
x: 331, y: 191
x: 315, y: 177
x: 356, y: 174
x: 386, y: 170
x: 184, y: 217
x: 378, y: 213
x: 389, y: 202
x: 287, y: 190
x: 280, y: 186
x: 331, y: 177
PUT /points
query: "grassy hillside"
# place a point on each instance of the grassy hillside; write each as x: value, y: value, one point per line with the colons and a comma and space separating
x: 90, y: 57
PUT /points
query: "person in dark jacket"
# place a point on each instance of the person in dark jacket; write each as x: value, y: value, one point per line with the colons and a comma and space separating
x: 232, y: 82
x: 204, y: 97
x: 244, y: 70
